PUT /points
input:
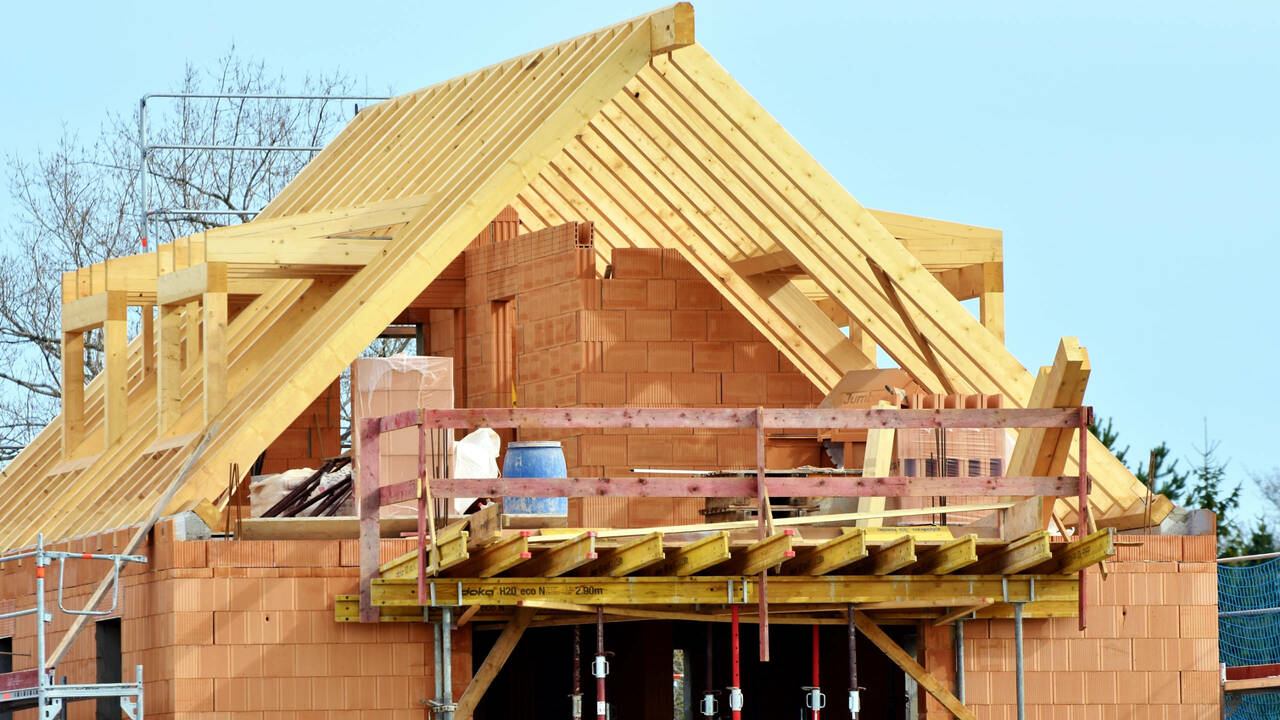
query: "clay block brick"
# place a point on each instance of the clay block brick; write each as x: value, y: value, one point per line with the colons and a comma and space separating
x: 742, y: 389
x: 619, y: 294
x: 1199, y: 548
x: 675, y: 266
x: 602, y: 325
x: 787, y: 388
x: 637, y: 263
x: 603, y: 449
x: 730, y: 325
x: 688, y: 325
x: 735, y: 450
x: 192, y: 694
x: 647, y: 511
x: 1197, y: 654
x: 1199, y: 687
x: 648, y: 325
x: 661, y: 295
x: 646, y: 389
x: 755, y: 357
x: 1198, y: 621
x: 602, y: 388
x: 649, y: 450
x: 1162, y: 621
x: 1068, y: 688
x: 695, y: 389
x: 670, y: 357
x: 620, y: 357
x: 1164, y: 687
x: 713, y: 357
x: 697, y: 295
x: 691, y: 450
x: 1116, y: 654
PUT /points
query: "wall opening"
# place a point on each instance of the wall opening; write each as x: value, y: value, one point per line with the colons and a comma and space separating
x: 6, y: 666
x: 658, y: 671
x: 110, y: 665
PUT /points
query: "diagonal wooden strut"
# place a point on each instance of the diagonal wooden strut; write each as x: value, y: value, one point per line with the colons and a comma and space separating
x: 917, y: 672
x: 493, y: 662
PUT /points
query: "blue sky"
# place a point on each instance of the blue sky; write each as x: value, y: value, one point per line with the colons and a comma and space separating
x: 1129, y: 151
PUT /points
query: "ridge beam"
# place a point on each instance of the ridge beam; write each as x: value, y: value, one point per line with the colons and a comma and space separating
x: 671, y: 28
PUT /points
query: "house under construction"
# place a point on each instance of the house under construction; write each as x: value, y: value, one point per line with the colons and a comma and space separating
x: 606, y: 244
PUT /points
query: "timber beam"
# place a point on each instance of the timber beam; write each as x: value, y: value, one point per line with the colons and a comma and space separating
x: 695, y: 556
x: 947, y: 558
x: 760, y: 556
x: 889, y: 557
x: 1022, y: 554
x: 562, y: 557
x: 909, y: 665
x: 453, y: 551
x: 629, y: 557
x: 721, y: 590
x: 1073, y: 557
x: 497, y: 557
x: 831, y: 555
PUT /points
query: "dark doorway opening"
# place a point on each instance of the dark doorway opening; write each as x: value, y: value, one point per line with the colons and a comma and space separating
x: 658, y: 672
x: 6, y: 666
x: 110, y: 661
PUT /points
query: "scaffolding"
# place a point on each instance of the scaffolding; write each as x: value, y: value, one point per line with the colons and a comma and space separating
x: 146, y: 212
x: 37, y: 687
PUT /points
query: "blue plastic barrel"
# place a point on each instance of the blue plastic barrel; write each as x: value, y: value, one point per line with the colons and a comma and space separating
x: 535, y: 459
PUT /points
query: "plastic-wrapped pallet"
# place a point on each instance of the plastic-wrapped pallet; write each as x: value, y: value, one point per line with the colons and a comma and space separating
x: 384, y: 386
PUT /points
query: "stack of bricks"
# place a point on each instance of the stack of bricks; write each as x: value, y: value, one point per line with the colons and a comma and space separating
x: 314, y: 435
x: 970, y: 452
x: 385, y: 386
x: 1150, y: 649
x: 242, y: 630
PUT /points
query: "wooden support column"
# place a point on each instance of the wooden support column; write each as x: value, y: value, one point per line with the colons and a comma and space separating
x: 917, y: 672
x: 72, y: 391
x: 877, y: 463
x: 991, y: 301
x: 169, y: 367
x: 191, y: 324
x: 115, y: 356
x: 865, y: 344
x: 149, y: 356
x: 493, y: 662
x: 215, y: 340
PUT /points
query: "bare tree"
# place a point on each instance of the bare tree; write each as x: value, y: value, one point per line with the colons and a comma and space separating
x: 78, y: 204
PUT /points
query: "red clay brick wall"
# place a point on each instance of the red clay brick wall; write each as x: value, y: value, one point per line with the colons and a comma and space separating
x: 243, y: 630
x: 314, y: 435
x: 654, y: 334
x: 1150, y: 650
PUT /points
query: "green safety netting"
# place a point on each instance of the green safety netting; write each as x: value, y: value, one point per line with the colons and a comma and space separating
x: 1253, y: 637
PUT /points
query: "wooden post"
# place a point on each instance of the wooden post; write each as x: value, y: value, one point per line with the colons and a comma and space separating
x: 493, y: 662
x: 115, y: 352
x: 876, y: 463
x: 169, y: 367
x: 763, y: 529
x: 215, y: 340
x: 191, y: 320
x: 367, y: 485
x: 148, y: 340
x: 72, y: 391
x: 991, y: 301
